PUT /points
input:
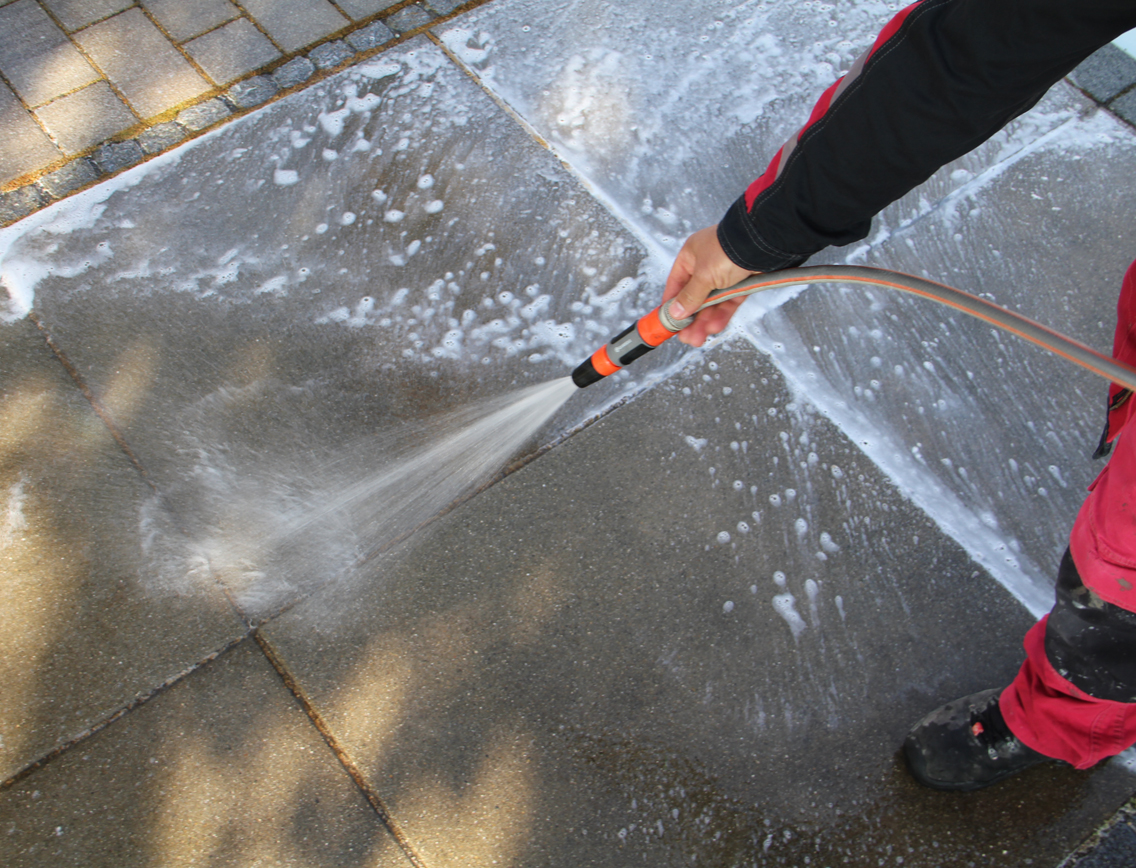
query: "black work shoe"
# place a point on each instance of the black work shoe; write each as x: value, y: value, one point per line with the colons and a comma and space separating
x: 966, y: 745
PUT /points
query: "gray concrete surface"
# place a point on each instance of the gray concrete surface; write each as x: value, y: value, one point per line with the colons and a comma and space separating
x: 692, y: 630
x: 87, y: 630
x: 223, y: 769
x: 576, y: 665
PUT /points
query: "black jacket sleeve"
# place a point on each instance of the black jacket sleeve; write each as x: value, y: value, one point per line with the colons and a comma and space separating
x: 943, y: 77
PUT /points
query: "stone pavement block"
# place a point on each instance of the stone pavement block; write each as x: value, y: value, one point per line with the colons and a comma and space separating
x: 21, y: 202
x: 76, y: 174
x: 205, y: 114
x: 408, y: 18
x: 141, y: 63
x: 224, y: 769
x: 360, y: 9
x: 89, y: 624
x: 86, y: 117
x: 294, y: 24
x: 231, y: 51
x: 265, y: 330
x: 160, y: 138
x: 1125, y: 106
x: 1105, y: 73
x: 330, y: 54
x: 185, y: 19
x: 26, y: 146
x: 73, y: 14
x: 373, y: 35
x: 694, y: 633
x: 36, y: 57
x: 295, y: 71
x: 115, y: 156
x: 443, y: 7
x: 253, y: 91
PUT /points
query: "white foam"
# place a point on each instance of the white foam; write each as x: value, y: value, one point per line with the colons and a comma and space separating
x: 14, y: 520
x: 785, y: 605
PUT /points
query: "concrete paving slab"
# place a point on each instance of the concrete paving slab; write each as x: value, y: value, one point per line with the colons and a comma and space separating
x: 672, y: 110
x: 694, y: 633
x: 424, y: 252
x: 141, y: 63
x: 360, y: 9
x: 224, y: 769
x: 185, y: 19
x: 27, y: 147
x: 36, y: 57
x: 85, y: 117
x: 231, y: 51
x: 87, y: 630
x: 74, y: 14
x: 1006, y: 429
x: 296, y: 23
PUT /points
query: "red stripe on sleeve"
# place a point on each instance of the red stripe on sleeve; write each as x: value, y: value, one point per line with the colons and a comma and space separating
x: 892, y: 26
x: 766, y: 180
x: 762, y: 184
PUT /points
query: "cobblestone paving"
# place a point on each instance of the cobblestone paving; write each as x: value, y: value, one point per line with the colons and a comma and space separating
x: 78, y: 77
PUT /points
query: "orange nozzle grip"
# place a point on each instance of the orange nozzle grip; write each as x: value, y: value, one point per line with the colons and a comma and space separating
x: 604, y: 366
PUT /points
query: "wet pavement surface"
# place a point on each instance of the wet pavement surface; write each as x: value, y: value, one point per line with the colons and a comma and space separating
x: 692, y: 627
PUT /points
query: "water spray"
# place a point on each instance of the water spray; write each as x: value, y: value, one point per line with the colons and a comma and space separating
x: 659, y: 326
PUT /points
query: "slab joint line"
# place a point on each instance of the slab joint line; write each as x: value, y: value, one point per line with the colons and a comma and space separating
x: 96, y: 405
x: 138, y: 701
x: 353, y: 771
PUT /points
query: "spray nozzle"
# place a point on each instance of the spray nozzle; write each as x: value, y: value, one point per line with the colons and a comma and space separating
x: 634, y: 341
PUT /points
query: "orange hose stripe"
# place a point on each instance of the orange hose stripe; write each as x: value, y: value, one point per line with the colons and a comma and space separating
x: 652, y: 330
x: 604, y: 366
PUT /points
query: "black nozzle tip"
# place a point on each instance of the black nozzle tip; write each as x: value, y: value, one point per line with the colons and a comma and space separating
x: 586, y: 374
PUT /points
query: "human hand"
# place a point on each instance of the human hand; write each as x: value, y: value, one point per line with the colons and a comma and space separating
x: 700, y: 268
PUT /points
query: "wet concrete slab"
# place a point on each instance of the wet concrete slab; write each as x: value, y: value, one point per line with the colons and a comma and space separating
x: 86, y: 628
x: 1001, y: 427
x: 694, y: 633
x: 255, y: 309
x: 672, y: 110
x: 224, y: 769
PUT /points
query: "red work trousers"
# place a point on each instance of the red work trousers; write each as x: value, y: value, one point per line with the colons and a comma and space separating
x: 1045, y: 709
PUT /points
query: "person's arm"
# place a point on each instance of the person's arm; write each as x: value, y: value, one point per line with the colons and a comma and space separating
x: 942, y: 77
